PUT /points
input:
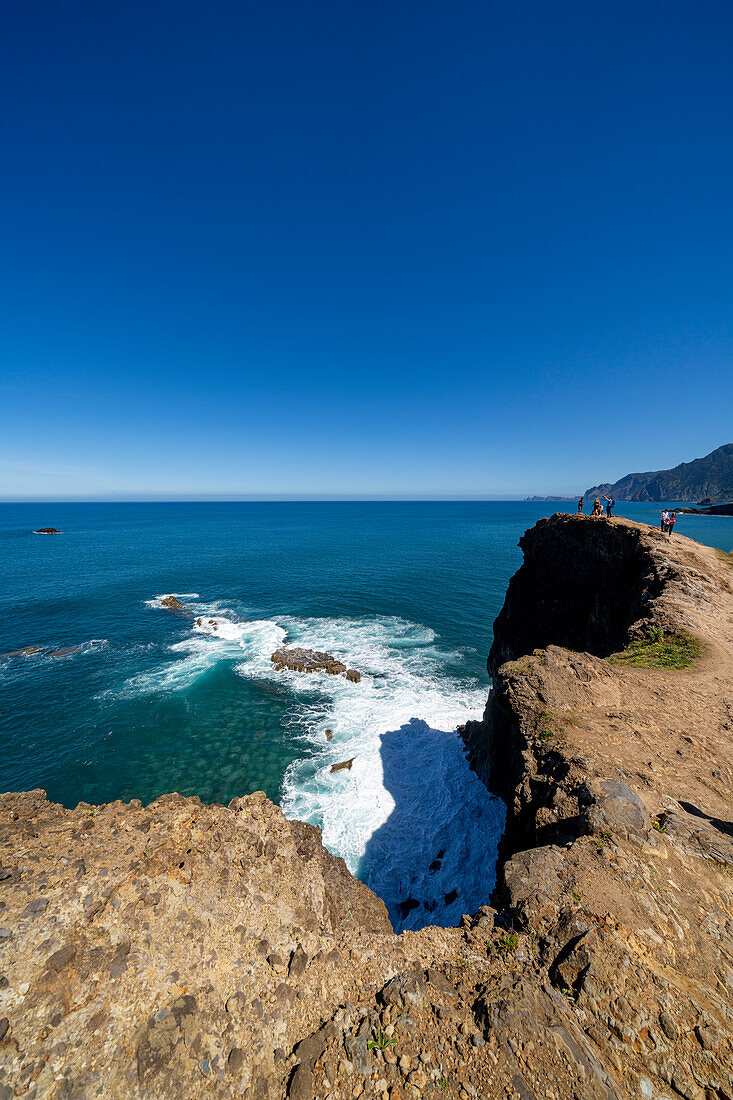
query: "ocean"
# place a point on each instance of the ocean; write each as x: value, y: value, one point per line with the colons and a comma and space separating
x: 122, y: 698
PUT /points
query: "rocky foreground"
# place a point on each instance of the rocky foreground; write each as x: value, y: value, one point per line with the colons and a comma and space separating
x: 180, y: 950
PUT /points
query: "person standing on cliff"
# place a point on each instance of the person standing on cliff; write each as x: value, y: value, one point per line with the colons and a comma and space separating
x: 609, y: 505
x: 670, y: 523
x: 581, y: 506
x: 665, y: 520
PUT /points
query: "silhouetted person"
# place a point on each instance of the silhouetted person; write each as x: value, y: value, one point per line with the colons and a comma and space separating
x: 581, y: 506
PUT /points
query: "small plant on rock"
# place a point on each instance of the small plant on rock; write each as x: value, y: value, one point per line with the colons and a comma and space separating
x: 659, y: 826
x: 509, y: 942
x: 381, y: 1042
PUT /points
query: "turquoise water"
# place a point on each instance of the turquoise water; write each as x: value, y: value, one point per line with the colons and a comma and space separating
x: 149, y: 702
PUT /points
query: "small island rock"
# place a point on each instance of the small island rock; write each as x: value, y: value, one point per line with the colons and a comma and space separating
x: 345, y: 765
x: 311, y: 660
x: 172, y: 603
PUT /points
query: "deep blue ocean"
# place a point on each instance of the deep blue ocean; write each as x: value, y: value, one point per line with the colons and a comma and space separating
x: 146, y: 701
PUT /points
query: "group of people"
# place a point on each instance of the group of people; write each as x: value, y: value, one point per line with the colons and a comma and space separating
x: 668, y: 521
x: 668, y: 516
x: 597, y: 506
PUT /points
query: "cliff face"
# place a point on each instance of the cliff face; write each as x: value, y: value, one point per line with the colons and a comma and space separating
x: 709, y: 477
x: 618, y: 855
x: 181, y: 950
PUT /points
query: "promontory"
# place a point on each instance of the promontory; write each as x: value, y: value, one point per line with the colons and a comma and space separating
x: 182, y: 950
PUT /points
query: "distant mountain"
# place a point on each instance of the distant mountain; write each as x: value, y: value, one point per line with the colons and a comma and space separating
x: 709, y: 478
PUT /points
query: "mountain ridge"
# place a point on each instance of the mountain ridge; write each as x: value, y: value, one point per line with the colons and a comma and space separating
x: 708, y: 477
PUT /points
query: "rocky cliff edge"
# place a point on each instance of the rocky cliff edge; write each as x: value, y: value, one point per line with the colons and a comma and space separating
x: 181, y: 950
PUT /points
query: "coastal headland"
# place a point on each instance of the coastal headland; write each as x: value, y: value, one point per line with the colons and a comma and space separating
x: 188, y: 950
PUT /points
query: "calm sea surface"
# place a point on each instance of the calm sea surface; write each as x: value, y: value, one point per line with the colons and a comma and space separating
x: 147, y: 701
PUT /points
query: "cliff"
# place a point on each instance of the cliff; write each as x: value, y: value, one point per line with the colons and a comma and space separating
x: 182, y: 950
x: 710, y: 477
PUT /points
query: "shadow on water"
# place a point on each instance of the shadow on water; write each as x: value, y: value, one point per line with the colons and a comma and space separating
x: 434, y: 858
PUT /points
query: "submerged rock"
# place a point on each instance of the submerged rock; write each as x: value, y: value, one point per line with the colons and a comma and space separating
x: 65, y: 651
x: 312, y: 660
x: 21, y: 652
x: 47, y: 531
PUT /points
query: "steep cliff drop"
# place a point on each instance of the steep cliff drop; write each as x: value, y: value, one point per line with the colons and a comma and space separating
x: 182, y: 950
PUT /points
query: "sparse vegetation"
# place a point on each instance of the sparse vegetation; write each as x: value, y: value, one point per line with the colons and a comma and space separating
x: 509, y: 942
x: 575, y: 895
x: 550, y: 724
x: 660, y: 650
x: 381, y: 1042
x: 442, y: 1083
x: 659, y: 826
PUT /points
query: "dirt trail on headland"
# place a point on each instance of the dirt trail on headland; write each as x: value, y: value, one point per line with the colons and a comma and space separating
x: 181, y: 950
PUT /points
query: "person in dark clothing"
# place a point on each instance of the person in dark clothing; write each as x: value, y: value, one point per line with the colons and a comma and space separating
x: 609, y: 505
x: 581, y: 506
x: 670, y: 523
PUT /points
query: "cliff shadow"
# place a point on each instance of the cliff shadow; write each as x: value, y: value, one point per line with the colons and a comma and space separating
x: 434, y: 858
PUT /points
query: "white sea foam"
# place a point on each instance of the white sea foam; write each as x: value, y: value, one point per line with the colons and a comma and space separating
x: 409, y: 800
x: 409, y: 794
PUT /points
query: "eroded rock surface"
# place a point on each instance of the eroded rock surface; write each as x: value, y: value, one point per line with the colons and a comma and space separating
x: 182, y: 950
x: 311, y: 660
x: 172, y: 603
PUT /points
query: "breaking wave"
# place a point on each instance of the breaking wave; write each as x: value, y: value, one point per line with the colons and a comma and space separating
x: 408, y: 817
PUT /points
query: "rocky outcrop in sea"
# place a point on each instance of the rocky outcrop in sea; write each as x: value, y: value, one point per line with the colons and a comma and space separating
x: 183, y: 950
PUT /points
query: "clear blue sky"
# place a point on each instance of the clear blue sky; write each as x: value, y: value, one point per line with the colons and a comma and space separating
x: 352, y: 248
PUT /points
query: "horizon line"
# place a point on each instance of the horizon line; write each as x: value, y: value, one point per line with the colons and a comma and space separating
x: 286, y: 499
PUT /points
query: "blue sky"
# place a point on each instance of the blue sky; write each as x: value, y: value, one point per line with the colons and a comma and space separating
x: 390, y: 249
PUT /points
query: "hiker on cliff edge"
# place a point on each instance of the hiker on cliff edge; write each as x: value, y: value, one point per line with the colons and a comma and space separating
x: 609, y: 505
x: 581, y: 506
x: 671, y: 523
